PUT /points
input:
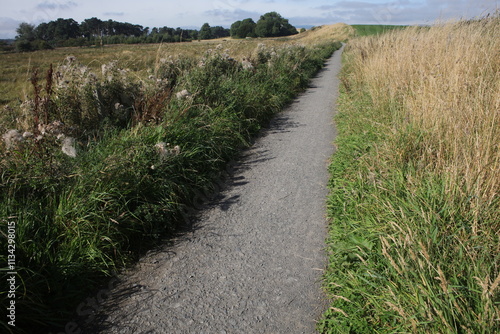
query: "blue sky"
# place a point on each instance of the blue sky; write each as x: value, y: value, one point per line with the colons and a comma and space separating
x: 193, y: 13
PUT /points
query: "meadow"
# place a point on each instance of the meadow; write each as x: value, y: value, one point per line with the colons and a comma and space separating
x: 414, y: 204
x: 16, y: 68
x: 104, y: 151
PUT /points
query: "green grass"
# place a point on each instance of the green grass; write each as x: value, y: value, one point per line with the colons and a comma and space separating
x: 374, y: 29
x: 79, y: 220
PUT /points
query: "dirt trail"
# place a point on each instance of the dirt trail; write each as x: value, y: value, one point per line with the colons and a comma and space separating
x: 254, y: 262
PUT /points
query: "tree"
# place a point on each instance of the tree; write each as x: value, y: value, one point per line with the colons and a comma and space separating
x: 243, y: 29
x: 25, y: 32
x: 273, y: 24
x: 65, y: 29
x: 205, y: 32
x: 235, y: 27
x: 25, y: 37
x: 91, y: 27
x: 219, y: 32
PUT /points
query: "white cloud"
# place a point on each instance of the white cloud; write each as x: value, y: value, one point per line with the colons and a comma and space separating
x: 404, y: 11
x: 56, y: 5
x: 113, y: 14
x: 228, y: 16
x: 8, y: 27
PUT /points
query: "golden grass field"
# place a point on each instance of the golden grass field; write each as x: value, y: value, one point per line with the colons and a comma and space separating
x: 16, y: 68
x: 446, y: 80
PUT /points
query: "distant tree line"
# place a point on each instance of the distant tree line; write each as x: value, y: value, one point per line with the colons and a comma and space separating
x: 93, y: 31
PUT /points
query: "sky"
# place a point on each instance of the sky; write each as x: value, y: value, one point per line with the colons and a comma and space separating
x: 193, y: 13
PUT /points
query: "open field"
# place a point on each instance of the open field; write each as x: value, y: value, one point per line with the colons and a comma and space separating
x: 16, y: 68
x: 111, y: 149
x: 414, y: 202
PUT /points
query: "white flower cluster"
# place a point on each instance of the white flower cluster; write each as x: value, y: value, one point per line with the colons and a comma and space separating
x: 164, y: 151
x: 158, y: 82
x: 111, y: 71
x: 73, y: 73
x: 217, y: 53
x: 264, y: 54
x: 183, y: 94
x: 13, y: 138
x: 247, y: 64
x: 55, y: 130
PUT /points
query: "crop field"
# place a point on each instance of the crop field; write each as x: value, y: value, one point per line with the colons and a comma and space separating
x: 415, y: 232
x: 103, y: 150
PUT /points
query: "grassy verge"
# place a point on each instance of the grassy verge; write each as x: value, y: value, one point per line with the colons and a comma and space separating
x: 414, y: 237
x: 108, y: 164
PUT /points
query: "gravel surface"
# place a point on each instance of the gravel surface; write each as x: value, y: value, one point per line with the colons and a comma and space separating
x: 254, y: 259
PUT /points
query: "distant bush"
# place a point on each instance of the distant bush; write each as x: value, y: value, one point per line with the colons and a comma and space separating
x: 273, y: 24
x: 243, y: 29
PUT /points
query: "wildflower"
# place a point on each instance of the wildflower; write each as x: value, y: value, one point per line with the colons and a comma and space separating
x: 27, y: 134
x: 108, y: 70
x: 42, y: 129
x: 164, y: 151
x: 247, y: 65
x: 91, y: 78
x: 176, y: 150
x: 68, y: 146
x: 55, y: 128
x: 183, y: 94
x: 161, y: 148
x: 70, y: 60
x: 12, y: 137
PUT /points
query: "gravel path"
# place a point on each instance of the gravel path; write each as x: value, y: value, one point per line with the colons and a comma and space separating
x: 253, y: 264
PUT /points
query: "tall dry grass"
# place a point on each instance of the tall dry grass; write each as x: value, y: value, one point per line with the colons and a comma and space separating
x: 446, y: 81
x: 415, y: 209
x: 320, y: 34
